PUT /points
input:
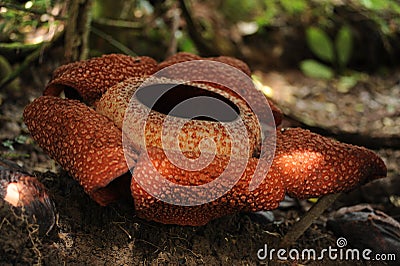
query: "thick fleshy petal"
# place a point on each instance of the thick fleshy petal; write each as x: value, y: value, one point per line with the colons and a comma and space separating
x: 239, y: 64
x: 86, y: 144
x: 266, y: 197
x: 312, y: 165
x: 184, y: 57
x: 89, y: 79
x: 178, y: 58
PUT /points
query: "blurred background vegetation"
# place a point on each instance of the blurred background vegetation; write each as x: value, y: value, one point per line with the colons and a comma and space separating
x: 323, y: 38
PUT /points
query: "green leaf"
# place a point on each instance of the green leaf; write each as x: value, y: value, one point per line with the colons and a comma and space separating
x: 8, y: 144
x: 294, y: 6
x: 314, y: 69
x: 268, y: 15
x: 344, y: 45
x: 346, y: 83
x: 320, y: 44
x: 186, y: 44
x: 374, y: 4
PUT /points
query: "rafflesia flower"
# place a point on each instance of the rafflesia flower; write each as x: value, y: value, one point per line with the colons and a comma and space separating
x: 107, y: 133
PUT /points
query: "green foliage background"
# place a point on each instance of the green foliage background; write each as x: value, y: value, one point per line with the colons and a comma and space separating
x: 331, y: 29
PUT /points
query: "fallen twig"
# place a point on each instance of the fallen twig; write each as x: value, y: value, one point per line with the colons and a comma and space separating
x: 28, y: 60
x: 173, y: 44
x: 113, y: 41
x: 304, y: 223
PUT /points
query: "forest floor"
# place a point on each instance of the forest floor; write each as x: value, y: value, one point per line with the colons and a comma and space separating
x: 87, y: 234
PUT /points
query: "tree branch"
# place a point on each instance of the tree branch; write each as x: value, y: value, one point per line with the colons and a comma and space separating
x: 304, y: 223
x: 194, y: 33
